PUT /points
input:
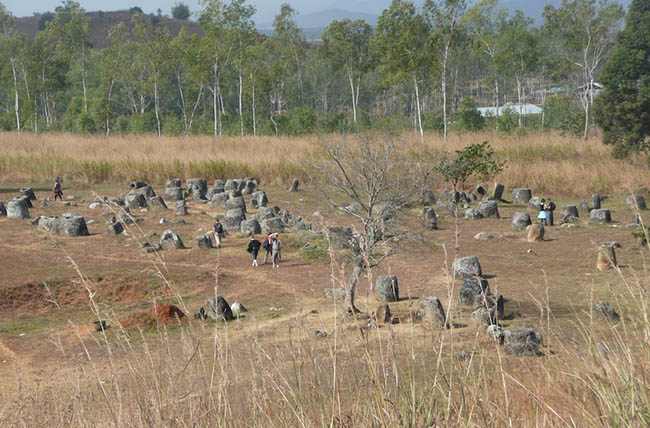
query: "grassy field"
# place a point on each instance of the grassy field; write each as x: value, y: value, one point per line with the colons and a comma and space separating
x: 548, y: 163
x: 270, y: 368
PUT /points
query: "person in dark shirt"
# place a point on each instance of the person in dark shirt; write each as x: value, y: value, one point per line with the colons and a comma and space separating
x: 254, y: 248
x: 217, y: 229
x: 549, y: 207
x: 58, y: 190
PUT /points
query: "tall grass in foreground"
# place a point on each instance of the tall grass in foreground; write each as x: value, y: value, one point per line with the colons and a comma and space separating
x: 548, y: 163
x: 280, y: 374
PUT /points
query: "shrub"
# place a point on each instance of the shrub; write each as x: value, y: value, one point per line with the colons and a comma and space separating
x: 469, y: 118
x: 172, y: 125
x: 180, y: 11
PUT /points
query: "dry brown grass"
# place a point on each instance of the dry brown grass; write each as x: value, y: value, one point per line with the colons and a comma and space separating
x: 548, y: 163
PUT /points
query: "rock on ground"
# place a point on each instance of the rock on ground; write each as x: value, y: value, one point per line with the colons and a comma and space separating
x: 172, y: 182
x: 596, y: 201
x: 466, y: 267
x: 272, y: 225
x: 604, y: 310
x: 483, y: 236
x: 218, y: 309
x: 497, y: 193
x: 251, y: 226
x: 601, y: 216
x: 430, y: 218
x: 483, y: 316
x: 232, y: 220
x: 27, y: 191
x: 174, y: 193
x: 636, y: 202
x: 383, y: 314
x: 238, y: 308
x: 170, y: 240
x: 204, y: 241
x: 237, y: 202
x: 473, y: 214
x: 259, y: 199
x: 432, y: 311
x: 157, y: 202
x: 115, y: 228
x: 197, y: 184
x: 473, y: 289
x: 568, y: 213
x: 606, y: 258
x: 520, y: 221
x: 69, y: 225
x: 489, y: 209
x: 180, y: 207
x: 17, y: 209
x: 535, y: 232
x: 521, y: 196
x: 387, y: 288
x: 521, y: 342
x: 535, y: 203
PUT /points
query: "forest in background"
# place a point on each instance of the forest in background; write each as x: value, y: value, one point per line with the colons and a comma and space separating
x: 421, y: 68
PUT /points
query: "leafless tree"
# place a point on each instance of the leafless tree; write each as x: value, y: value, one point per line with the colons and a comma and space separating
x: 372, y: 180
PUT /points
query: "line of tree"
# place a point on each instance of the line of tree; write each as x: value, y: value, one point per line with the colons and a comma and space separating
x: 423, y: 68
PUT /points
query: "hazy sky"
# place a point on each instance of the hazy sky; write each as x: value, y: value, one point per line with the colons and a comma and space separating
x: 266, y: 8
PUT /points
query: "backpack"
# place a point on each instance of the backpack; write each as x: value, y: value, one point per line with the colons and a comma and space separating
x: 266, y: 244
x: 552, y: 206
x: 218, y: 227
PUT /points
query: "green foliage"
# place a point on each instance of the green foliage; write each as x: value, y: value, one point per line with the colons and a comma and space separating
x: 474, y: 161
x: 302, y: 121
x: 172, y: 125
x: 86, y: 123
x: 45, y: 18
x: 433, y: 122
x: 507, y: 122
x: 469, y: 118
x: 180, y: 11
x: 563, y: 115
x: 143, y: 123
x: 623, y: 110
x: 136, y: 9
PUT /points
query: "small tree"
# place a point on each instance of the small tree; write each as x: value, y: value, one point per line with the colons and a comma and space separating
x: 623, y: 109
x: 474, y: 161
x: 180, y: 11
x: 469, y: 118
x: 380, y: 180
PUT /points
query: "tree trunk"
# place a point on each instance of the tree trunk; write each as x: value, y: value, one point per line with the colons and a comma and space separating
x: 241, y: 107
x: 253, y: 107
x: 354, y: 101
x: 155, y: 102
x: 519, y: 99
x: 108, y: 107
x: 196, y: 105
x: 182, y: 98
x: 348, y: 304
x: 83, y: 74
x: 417, y: 102
x: 16, y: 99
x: 214, y: 109
x: 444, y: 90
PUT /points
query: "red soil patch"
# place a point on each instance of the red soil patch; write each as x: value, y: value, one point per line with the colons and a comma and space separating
x: 166, y: 313
x: 159, y: 314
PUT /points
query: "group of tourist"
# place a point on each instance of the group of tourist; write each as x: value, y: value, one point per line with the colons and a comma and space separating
x: 271, y: 244
x: 545, y: 215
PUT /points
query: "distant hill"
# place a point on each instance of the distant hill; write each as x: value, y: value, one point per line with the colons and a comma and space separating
x: 102, y: 22
x: 313, y: 24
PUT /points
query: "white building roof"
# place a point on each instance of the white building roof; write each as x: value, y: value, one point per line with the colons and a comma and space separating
x: 525, y: 109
